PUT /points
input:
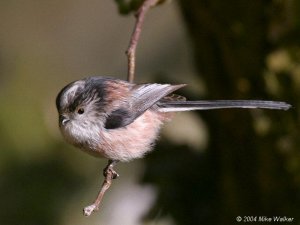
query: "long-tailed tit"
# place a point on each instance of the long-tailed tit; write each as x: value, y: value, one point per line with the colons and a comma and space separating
x: 120, y: 121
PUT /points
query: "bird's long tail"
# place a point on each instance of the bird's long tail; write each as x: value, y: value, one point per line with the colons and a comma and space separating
x: 173, y: 106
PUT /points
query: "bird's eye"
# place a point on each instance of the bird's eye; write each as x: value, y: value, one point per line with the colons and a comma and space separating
x: 80, y: 111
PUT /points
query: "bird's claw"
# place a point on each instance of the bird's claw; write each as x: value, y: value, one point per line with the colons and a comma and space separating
x: 110, y: 170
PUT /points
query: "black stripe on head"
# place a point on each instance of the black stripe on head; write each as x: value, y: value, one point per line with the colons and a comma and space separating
x: 95, y: 86
x: 90, y: 89
x: 94, y: 90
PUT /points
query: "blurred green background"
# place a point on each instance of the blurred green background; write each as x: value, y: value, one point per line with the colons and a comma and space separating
x: 208, y: 167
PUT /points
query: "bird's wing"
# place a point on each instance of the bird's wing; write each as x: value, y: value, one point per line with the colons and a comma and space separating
x: 142, y: 97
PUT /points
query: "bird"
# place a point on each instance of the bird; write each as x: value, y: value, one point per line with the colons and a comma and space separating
x: 120, y: 121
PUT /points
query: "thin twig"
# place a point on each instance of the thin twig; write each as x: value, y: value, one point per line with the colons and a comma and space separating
x: 109, y: 175
x: 87, y: 211
x: 140, y: 16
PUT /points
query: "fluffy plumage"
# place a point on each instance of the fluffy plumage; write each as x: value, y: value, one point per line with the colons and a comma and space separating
x: 112, y: 118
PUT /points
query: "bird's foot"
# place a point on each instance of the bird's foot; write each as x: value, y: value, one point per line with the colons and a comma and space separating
x: 109, y: 170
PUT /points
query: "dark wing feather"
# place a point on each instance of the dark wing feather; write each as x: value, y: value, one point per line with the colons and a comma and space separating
x: 142, y: 97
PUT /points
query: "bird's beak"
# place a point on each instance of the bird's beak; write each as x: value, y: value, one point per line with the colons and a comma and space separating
x: 63, y: 120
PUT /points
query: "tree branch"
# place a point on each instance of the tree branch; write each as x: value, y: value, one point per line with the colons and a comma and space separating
x: 109, y: 173
x: 140, y: 16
